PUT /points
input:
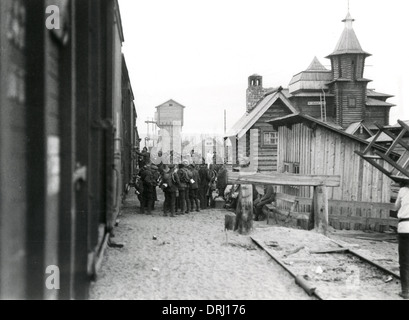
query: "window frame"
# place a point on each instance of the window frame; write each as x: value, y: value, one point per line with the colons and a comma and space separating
x: 291, y: 167
x: 275, y: 137
x: 351, y: 99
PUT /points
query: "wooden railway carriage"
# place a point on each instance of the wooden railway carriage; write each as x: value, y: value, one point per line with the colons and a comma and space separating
x: 128, y: 125
x: 60, y: 111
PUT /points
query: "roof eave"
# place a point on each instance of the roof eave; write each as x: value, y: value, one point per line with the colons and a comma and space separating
x: 338, y: 53
x: 347, y: 80
x: 296, y: 118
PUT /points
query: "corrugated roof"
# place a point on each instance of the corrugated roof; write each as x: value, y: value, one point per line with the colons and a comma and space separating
x: 348, y: 42
x: 240, y: 128
x: 371, y: 102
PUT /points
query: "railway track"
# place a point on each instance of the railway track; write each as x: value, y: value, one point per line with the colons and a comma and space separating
x: 311, y: 290
x: 327, y: 270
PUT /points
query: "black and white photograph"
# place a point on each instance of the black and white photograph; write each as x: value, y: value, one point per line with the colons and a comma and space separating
x: 206, y: 155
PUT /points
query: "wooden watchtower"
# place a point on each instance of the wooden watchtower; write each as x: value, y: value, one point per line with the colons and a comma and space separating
x: 169, y: 118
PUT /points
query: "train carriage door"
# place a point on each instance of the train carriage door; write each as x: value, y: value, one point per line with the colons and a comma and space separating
x: 84, y: 127
x: 51, y: 137
x: 93, y: 127
x: 66, y: 36
x: 13, y: 149
x: 44, y: 52
x: 82, y: 165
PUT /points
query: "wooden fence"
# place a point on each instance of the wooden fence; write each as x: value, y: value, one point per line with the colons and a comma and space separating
x: 349, y: 215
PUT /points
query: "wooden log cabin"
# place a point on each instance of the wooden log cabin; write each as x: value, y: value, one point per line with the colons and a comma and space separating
x: 338, y: 97
x: 252, y: 136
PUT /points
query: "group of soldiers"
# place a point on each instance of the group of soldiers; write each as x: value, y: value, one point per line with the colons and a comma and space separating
x: 187, y: 187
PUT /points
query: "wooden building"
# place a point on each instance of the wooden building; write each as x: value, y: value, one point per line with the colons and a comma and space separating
x: 169, y: 118
x: 338, y: 96
x: 252, y: 137
x: 309, y: 146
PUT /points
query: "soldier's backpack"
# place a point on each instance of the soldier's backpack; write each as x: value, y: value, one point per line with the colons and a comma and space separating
x: 185, y: 176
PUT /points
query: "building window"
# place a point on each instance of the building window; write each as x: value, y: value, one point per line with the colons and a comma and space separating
x: 270, y: 138
x: 292, y: 167
x: 351, y: 102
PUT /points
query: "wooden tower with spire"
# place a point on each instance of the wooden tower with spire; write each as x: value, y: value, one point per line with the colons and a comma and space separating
x: 348, y: 85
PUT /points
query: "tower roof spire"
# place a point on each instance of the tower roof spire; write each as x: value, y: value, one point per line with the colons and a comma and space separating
x: 348, y: 42
x: 348, y: 21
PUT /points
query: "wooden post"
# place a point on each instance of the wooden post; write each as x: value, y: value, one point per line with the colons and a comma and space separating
x: 229, y: 221
x: 320, y: 207
x: 244, y: 210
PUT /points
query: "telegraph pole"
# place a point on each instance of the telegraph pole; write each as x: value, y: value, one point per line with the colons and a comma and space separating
x: 224, y: 140
x: 148, y: 132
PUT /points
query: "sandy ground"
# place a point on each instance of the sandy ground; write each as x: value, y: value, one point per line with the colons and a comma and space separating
x: 191, y: 257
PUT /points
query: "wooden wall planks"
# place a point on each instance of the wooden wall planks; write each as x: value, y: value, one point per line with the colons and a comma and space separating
x: 321, y: 151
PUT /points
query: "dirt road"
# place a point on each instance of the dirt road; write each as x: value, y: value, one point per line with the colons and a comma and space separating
x: 189, y: 257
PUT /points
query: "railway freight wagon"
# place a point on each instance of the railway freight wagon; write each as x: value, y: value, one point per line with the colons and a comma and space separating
x: 128, y: 140
x: 60, y: 161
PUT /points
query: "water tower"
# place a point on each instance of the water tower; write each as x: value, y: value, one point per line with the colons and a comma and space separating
x: 169, y: 118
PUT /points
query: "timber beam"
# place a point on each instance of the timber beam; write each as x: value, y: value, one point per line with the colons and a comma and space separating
x: 391, y: 135
x: 283, y: 179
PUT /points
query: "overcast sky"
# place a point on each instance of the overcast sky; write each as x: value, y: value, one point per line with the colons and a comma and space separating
x: 200, y: 53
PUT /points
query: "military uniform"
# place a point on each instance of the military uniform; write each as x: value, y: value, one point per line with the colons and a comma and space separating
x: 169, y: 190
x: 148, y: 187
x: 183, y: 189
x: 193, y: 189
x: 203, y: 186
